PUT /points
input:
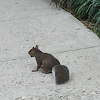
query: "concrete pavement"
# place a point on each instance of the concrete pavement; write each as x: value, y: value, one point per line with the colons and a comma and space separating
x: 25, y: 23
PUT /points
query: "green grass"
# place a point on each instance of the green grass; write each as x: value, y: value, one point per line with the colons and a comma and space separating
x: 83, y: 9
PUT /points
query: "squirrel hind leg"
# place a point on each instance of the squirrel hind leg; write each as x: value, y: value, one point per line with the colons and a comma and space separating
x: 44, y: 71
x: 45, y: 67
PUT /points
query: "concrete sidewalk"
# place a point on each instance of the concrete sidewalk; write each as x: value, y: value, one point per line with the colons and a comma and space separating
x: 25, y: 23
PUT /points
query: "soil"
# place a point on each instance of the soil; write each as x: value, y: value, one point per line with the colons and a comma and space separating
x: 89, y: 25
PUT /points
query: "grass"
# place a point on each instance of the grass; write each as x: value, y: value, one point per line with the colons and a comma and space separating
x: 83, y: 9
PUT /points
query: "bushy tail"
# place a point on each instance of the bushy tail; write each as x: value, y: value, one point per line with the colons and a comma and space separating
x: 61, y: 74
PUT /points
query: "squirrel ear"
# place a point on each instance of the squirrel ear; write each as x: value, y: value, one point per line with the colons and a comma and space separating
x: 36, y: 46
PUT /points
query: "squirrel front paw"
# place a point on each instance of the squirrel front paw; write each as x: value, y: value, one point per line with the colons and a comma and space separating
x: 34, y: 70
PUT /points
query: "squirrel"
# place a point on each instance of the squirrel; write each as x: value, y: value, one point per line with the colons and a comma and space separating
x: 50, y: 64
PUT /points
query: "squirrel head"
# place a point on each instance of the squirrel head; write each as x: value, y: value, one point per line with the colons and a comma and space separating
x: 34, y: 51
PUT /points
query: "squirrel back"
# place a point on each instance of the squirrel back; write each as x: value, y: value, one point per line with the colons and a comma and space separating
x: 61, y: 74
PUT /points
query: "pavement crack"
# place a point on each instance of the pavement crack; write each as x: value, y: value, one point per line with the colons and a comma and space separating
x: 78, y: 49
x: 52, y: 53
x: 13, y: 59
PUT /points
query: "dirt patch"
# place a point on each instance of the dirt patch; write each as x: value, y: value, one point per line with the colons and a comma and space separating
x: 89, y: 25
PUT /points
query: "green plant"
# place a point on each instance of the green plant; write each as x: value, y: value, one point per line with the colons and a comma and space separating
x: 84, y: 9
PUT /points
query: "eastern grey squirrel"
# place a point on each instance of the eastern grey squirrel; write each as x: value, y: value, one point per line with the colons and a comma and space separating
x: 50, y: 64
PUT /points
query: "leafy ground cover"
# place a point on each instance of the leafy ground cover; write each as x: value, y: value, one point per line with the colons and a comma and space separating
x: 87, y: 11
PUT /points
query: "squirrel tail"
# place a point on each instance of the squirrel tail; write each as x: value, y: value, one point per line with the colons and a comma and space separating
x: 61, y: 74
